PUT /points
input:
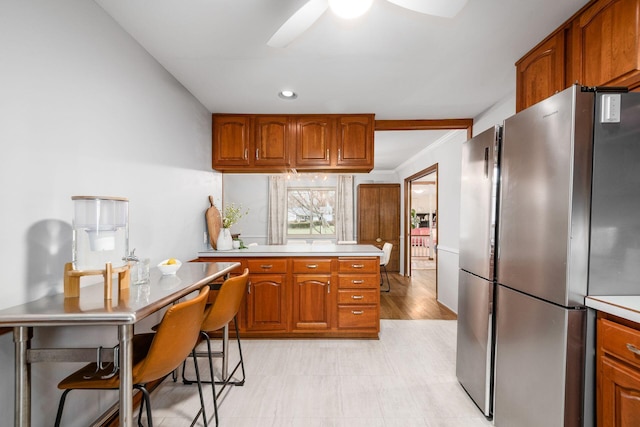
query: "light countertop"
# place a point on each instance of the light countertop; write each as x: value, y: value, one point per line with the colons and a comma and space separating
x: 292, y: 250
x: 625, y: 306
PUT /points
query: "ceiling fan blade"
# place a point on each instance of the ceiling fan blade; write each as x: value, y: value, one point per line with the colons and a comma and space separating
x: 298, y: 23
x: 444, y: 8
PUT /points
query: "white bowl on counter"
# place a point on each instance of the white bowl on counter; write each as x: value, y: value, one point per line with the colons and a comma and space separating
x: 169, y: 268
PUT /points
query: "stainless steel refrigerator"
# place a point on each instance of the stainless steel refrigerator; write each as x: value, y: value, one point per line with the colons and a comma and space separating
x: 476, y: 285
x: 544, y: 372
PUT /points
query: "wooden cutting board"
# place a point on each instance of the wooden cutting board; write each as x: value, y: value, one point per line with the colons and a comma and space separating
x: 214, y: 222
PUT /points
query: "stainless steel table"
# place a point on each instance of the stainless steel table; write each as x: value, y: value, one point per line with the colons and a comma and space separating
x: 91, y: 308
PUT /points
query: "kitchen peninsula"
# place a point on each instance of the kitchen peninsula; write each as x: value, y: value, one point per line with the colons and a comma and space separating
x: 305, y: 290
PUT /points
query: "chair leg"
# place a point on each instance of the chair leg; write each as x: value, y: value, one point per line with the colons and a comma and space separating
x: 61, y: 407
x: 202, y: 410
x: 146, y: 401
x: 211, y: 375
x: 382, y: 281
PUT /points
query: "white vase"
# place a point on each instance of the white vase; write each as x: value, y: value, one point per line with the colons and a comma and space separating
x: 224, y: 243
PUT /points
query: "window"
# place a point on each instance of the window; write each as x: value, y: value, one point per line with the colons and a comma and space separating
x: 311, y: 212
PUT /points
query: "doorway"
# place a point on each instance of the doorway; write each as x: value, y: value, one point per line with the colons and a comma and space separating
x: 423, y: 222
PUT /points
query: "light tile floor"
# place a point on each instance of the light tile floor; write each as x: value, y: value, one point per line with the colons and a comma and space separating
x: 407, y: 378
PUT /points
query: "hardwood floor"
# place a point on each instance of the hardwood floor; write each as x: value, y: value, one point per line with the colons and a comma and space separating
x: 413, y: 298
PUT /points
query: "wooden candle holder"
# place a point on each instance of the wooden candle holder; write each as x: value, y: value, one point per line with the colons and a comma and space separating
x: 72, y: 279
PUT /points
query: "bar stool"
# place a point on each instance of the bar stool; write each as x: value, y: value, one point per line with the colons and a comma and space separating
x: 218, y: 315
x: 155, y: 355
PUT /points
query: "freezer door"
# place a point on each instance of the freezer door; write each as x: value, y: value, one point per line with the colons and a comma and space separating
x: 478, y: 203
x: 539, y: 362
x: 544, y: 198
x: 614, y: 267
x: 474, y: 356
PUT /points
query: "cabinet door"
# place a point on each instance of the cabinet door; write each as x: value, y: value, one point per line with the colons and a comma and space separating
x: 379, y: 218
x: 619, y: 397
x: 311, y: 301
x: 541, y: 73
x: 266, y: 303
x: 355, y: 141
x: 231, y: 140
x: 606, y: 47
x: 272, y: 140
x: 314, y: 141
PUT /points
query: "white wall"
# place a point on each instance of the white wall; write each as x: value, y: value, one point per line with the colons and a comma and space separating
x: 86, y: 111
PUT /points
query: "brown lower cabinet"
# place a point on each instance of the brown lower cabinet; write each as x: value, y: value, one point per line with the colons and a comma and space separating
x: 618, y: 372
x: 310, y: 296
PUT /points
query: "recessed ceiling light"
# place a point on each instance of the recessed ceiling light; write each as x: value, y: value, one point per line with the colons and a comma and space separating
x: 288, y: 94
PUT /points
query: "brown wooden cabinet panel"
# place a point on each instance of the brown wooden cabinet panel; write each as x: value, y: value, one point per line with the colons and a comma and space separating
x: 266, y: 303
x: 379, y: 218
x: 541, y: 73
x: 299, y: 296
x: 272, y: 140
x: 606, y: 44
x: 231, y: 140
x: 355, y: 141
x: 315, y: 139
x: 311, y: 301
x: 618, y: 373
x: 276, y: 143
x: 598, y: 46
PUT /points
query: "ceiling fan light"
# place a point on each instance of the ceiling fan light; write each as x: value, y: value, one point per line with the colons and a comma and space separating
x: 350, y: 9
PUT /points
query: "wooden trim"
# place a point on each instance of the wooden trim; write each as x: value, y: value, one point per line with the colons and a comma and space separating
x: 407, y: 212
x: 423, y: 124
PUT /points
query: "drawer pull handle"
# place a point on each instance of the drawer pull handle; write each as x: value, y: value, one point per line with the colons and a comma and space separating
x: 633, y: 349
x: 357, y: 265
x: 266, y: 266
x: 312, y: 265
x: 357, y: 312
x: 357, y: 296
x: 357, y: 282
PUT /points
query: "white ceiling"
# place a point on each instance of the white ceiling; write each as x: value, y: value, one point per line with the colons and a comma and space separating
x: 392, y: 62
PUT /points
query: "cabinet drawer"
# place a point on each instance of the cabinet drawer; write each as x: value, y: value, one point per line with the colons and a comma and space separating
x: 312, y: 266
x: 620, y: 341
x: 357, y: 316
x: 362, y: 296
x: 356, y: 265
x: 269, y: 265
x: 351, y: 281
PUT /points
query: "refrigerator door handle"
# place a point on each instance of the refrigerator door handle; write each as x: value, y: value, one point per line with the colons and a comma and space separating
x: 486, y: 162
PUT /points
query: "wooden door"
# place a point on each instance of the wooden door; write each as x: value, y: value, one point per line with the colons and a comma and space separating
x: 315, y: 138
x: 231, y: 140
x: 379, y: 218
x: 355, y: 141
x: 266, y: 303
x: 272, y: 141
x: 541, y: 73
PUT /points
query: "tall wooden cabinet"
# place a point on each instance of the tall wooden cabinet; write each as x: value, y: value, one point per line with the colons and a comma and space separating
x: 598, y: 46
x: 379, y: 218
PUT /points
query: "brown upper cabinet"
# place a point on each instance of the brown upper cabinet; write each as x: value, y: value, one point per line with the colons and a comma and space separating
x: 315, y: 139
x: 598, y: 46
x: 266, y: 143
x: 355, y: 142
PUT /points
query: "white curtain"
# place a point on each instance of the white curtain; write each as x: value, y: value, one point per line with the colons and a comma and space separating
x: 344, y: 208
x: 277, y: 223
